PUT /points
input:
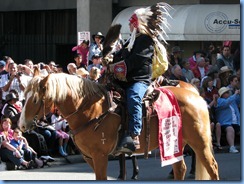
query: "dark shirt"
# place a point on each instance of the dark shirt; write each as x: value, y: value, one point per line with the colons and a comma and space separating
x: 139, y: 60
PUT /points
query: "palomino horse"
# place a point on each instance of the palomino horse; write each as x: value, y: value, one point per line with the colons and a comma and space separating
x: 86, y: 106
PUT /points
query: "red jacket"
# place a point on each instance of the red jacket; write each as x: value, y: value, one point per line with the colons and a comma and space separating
x: 197, y: 73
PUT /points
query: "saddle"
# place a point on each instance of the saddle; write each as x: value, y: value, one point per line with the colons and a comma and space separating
x: 117, y: 97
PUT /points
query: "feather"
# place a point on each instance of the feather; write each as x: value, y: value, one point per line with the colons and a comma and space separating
x: 111, y: 39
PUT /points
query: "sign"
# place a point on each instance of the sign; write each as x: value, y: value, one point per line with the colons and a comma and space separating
x: 84, y: 35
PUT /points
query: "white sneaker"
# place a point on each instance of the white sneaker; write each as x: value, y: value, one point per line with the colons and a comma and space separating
x: 233, y: 150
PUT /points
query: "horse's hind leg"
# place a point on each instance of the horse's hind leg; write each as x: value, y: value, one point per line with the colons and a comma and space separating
x: 179, y: 169
x: 205, y: 158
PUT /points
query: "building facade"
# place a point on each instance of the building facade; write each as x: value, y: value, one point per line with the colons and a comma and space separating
x: 45, y: 30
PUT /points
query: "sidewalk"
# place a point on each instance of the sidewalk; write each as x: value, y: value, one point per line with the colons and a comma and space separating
x: 71, y: 159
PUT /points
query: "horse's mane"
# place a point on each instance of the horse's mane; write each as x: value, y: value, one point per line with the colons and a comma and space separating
x: 59, y: 85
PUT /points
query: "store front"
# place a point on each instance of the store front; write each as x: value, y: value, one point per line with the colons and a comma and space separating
x: 191, y: 26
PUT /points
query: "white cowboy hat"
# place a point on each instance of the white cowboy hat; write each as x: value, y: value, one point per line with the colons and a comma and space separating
x: 223, y: 90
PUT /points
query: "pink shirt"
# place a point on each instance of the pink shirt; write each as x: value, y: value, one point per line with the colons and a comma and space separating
x: 83, y: 52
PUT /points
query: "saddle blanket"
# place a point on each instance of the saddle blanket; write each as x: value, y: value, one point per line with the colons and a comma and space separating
x: 170, y: 127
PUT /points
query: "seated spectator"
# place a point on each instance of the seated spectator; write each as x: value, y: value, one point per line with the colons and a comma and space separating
x: 60, y: 125
x: 214, y: 124
x: 200, y: 70
x: 78, y: 61
x: 175, y: 56
x: 21, y: 144
x: 72, y: 68
x: 9, y: 153
x: 209, y: 89
x: 224, y: 73
x: 214, y: 73
x: 233, y: 84
x: 228, y: 115
x: 82, y: 72
x: 177, y: 73
x: 193, y: 59
x: 94, y: 74
x: 10, y: 111
x: 196, y: 83
x: 186, y: 71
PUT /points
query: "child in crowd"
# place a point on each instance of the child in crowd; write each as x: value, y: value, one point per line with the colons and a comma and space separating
x: 21, y: 144
x: 60, y: 125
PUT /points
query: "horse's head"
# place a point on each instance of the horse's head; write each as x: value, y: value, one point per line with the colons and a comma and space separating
x: 36, y: 106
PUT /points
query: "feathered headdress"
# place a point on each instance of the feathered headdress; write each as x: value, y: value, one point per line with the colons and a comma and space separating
x: 151, y: 21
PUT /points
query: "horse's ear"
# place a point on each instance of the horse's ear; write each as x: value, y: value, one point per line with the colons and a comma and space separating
x: 36, y: 71
x: 43, y: 82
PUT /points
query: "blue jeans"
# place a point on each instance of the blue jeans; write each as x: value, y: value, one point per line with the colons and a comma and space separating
x: 134, y: 95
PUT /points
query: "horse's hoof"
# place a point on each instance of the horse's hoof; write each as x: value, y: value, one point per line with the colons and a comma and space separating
x: 134, y: 177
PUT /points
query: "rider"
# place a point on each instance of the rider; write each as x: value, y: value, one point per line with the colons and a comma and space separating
x: 134, y: 74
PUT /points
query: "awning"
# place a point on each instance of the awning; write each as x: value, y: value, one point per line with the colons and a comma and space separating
x: 201, y: 22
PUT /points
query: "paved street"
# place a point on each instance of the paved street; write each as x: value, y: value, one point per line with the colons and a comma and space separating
x: 150, y: 170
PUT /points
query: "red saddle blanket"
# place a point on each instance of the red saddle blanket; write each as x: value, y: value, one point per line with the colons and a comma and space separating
x: 170, y: 127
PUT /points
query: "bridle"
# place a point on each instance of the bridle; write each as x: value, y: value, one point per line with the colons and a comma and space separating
x: 96, y: 120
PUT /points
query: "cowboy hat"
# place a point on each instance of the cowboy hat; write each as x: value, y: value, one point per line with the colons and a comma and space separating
x: 223, y: 90
x: 11, y: 96
x: 98, y: 34
x: 176, y: 49
x: 225, y: 69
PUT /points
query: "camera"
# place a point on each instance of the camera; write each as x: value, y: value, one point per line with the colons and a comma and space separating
x: 19, y: 73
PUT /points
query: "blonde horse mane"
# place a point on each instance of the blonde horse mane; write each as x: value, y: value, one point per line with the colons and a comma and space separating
x: 59, y: 85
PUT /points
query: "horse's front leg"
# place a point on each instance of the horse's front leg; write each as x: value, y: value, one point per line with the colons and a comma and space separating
x: 89, y: 161
x: 100, y: 163
x: 179, y: 169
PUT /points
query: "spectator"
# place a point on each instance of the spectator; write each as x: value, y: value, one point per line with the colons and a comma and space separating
x: 196, y: 83
x: 7, y: 60
x: 21, y: 144
x: 214, y: 124
x: 60, y: 125
x: 72, y: 68
x: 96, y: 62
x: 96, y: 47
x: 209, y: 89
x: 9, y: 111
x: 213, y: 73
x: 83, y: 50
x: 224, y: 73
x: 199, y: 70
x: 233, y: 84
x: 2, y: 66
x: 94, y: 74
x: 177, y: 73
x: 8, y: 152
x: 13, y: 80
x: 175, y: 56
x: 228, y: 115
x: 52, y: 67
x: 186, y: 71
x: 225, y: 58
x: 193, y: 59
x: 79, y: 61
x: 82, y: 72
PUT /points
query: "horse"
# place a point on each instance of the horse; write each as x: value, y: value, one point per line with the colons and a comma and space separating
x: 94, y: 125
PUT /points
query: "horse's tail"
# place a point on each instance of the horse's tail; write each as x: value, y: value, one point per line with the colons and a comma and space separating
x: 201, y: 171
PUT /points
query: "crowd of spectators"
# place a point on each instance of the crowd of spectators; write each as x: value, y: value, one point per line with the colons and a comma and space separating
x: 218, y: 83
